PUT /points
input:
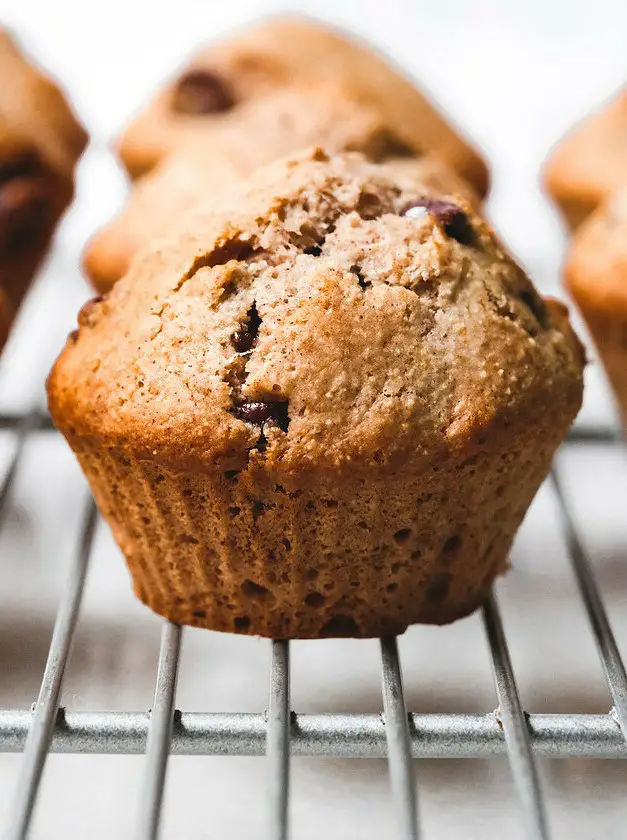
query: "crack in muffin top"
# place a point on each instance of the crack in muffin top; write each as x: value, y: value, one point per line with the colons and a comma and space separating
x: 327, y: 312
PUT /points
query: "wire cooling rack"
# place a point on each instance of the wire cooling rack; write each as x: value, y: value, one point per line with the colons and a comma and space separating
x: 280, y: 733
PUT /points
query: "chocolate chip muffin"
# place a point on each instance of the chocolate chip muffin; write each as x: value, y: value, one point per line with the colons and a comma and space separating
x: 298, y: 117
x: 40, y: 142
x: 596, y: 277
x: 320, y: 408
x: 276, y: 53
x: 588, y: 164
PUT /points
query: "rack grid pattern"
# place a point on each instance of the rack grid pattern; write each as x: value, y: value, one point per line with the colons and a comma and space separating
x: 396, y: 734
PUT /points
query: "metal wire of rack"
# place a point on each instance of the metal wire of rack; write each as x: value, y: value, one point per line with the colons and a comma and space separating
x: 280, y: 733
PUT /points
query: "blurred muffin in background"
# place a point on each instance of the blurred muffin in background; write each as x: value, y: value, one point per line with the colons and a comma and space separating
x: 588, y: 164
x: 227, y: 76
x: 596, y: 277
x: 40, y: 143
x: 264, y: 130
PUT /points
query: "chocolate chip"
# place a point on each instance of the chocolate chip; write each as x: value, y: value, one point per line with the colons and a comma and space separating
x: 24, y: 198
x: 369, y: 206
x: 269, y: 414
x: 24, y: 165
x: 242, y: 340
x: 202, y: 92
x: 449, y: 216
x: 361, y: 280
x: 24, y: 202
x: 314, y: 251
x: 245, y: 336
x: 385, y: 145
x: 254, y: 412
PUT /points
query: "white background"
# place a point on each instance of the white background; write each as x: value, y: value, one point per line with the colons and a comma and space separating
x: 514, y: 76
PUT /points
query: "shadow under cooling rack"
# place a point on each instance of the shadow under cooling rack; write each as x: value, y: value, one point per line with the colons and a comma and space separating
x: 279, y: 733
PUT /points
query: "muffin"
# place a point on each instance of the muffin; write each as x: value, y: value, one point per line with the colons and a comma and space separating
x: 298, y: 117
x: 40, y: 143
x: 596, y: 277
x: 588, y: 164
x: 321, y: 407
x: 263, y: 59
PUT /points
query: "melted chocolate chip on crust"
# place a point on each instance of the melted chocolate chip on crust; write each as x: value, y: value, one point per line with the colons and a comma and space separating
x: 361, y: 279
x: 264, y: 414
x: 245, y: 336
x: 449, y: 216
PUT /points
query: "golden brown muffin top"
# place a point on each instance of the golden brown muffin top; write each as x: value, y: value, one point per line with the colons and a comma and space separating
x: 321, y: 315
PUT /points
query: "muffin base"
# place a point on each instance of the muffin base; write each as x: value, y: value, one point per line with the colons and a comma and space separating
x: 248, y: 553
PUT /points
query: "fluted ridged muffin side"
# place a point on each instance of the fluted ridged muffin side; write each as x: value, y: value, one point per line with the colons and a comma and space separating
x: 239, y: 553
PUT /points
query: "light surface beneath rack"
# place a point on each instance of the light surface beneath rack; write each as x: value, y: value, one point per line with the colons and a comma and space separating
x: 282, y: 734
